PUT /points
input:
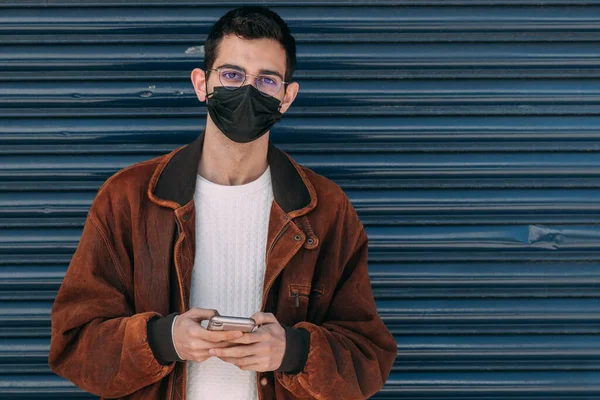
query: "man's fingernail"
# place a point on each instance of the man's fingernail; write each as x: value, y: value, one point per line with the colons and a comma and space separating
x: 212, y: 352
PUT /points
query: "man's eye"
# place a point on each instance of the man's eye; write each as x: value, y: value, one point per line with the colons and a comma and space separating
x: 231, y: 75
x: 268, y: 81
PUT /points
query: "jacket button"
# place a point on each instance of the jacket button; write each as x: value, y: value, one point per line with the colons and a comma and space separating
x: 264, y: 381
x: 186, y: 217
x: 297, y: 237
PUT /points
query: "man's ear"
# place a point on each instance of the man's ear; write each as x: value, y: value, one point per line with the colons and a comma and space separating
x: 198, y: 78
x: 290, y: 95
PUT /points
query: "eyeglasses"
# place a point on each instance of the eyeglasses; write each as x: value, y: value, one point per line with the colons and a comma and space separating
x: 232, y: 79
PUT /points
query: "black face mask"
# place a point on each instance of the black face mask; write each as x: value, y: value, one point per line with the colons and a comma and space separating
x: 243, y: 114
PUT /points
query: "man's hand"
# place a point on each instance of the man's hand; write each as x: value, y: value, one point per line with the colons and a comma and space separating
x: 261, y: 350
x: 192, y: 341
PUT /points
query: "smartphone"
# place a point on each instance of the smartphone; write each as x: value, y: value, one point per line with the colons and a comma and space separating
x: 227, y: 323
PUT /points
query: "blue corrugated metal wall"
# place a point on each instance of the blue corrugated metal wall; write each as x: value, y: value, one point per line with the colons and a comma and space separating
x: 466, y: 133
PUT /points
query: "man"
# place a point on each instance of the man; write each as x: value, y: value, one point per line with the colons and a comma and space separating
x: 227, y: 224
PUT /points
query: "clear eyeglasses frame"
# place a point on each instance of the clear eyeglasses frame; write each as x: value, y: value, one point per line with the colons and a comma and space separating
x: 233, y: 78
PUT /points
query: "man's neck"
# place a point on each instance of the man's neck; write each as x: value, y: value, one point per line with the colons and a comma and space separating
x: 229, y: 163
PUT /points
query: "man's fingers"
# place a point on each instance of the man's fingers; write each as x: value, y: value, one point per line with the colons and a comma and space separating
x: 263, y: 318
x: 235, y: 351
x: 216, y: 345
x: 241, y: 362
x: 252, y: 367
x: 200, y: 349
x: 248, y: 338
x: 218, y: 336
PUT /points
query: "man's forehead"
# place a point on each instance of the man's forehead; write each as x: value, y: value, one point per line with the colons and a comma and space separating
x: 256, y: 54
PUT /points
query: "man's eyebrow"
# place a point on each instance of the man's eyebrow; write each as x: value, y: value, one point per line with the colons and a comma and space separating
x: 231, y: 66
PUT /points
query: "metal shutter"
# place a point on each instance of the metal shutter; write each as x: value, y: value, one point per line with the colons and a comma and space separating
x: 466, y: 133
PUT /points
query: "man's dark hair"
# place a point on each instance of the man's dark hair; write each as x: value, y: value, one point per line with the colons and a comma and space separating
x: 252, y: 22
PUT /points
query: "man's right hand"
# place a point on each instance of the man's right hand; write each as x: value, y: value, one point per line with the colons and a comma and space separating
x: 192, y: 341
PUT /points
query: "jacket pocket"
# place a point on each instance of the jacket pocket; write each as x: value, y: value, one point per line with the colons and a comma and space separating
x: 300, y: 293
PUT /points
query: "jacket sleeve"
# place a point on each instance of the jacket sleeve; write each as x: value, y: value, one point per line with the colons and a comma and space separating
x: 350, y: 354
x: 97, y: 341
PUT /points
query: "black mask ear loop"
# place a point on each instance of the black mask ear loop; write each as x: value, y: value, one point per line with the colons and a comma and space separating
x: 206, y: 90
x: 206, y: 85
x: 285, y: 85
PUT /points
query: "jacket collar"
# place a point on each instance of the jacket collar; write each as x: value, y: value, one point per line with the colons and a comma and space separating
x: 174, y: 180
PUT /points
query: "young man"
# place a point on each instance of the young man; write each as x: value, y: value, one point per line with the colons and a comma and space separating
x: 230, y: 225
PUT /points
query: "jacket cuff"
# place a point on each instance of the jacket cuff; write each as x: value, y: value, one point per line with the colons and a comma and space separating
x: 297, y: 343
x: 160, y: 339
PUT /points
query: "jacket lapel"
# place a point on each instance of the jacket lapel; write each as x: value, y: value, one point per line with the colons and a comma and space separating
x: 174, y: 181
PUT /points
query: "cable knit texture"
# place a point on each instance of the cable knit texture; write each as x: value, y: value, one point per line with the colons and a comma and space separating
x: 231, y: 233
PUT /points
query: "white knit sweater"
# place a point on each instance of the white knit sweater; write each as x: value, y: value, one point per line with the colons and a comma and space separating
x: 231, y: 234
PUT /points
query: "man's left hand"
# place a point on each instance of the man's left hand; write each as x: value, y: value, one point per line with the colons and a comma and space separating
x: 261, y: 350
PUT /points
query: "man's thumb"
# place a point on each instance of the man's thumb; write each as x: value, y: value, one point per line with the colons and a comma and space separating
x: 200, y: 314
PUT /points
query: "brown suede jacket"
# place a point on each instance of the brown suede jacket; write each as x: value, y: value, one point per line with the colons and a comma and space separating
x: 131, y: 274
